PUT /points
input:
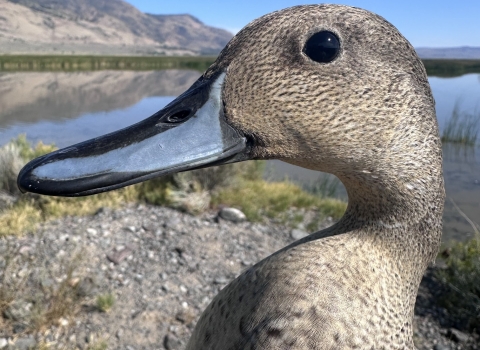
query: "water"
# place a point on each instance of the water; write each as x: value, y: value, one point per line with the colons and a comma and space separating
x: 65, y: 108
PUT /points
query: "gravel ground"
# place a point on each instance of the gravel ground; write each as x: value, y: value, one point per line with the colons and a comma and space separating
x: 162, y: 267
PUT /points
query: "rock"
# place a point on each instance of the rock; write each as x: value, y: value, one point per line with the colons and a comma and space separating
x: 149, y: 227
x: 25, y: 250
x: 171, y: 342
x: 18, y: 310
x: 25, y: 343
x: 87, y: 287
x: 457, y: 335
x: 220, y: 280
x: 297, y: 234
x: 19, y: 328
x: 172, y: 223
x: 117, y: 256
x: 232, y: 214
x: 119, y: 333
x: 72, y: 338
x: 63, y: 322
x: 440, y: 347
x: 185, y: 316
x: 3, y: 343
x: 92, y: 231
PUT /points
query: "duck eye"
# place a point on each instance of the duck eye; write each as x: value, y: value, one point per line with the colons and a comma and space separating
x: 322, y: 47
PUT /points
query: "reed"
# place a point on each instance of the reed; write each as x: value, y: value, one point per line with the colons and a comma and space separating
x: 11, y: 63
x: 448, y: 68
x: 462, y: 127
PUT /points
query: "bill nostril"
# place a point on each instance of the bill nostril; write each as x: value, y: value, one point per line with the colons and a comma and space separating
x: 179, y: 117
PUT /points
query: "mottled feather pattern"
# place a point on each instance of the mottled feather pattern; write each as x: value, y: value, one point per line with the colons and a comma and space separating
x: 369, y: 118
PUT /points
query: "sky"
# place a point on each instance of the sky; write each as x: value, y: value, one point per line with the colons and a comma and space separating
x: 426, y: 23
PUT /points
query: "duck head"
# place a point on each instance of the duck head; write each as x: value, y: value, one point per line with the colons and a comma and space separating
x: 327, y: 87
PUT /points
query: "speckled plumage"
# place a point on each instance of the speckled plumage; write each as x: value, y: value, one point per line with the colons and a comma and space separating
x: 369, y: 118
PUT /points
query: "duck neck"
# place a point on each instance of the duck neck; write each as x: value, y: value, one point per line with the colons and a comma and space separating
x: 401, y: 206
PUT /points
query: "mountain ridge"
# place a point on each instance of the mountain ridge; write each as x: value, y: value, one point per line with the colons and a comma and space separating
x: 102, y: 27
x: 460, y: 52
x: 115, y: 27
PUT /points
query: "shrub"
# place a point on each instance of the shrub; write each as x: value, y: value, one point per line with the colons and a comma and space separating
x: 105, y: 302
x: 462, y: 283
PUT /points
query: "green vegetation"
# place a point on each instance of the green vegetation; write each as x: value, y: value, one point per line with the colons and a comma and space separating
x: 239, y: 185
x: 447, y: 68
x: 100, y: 345
x: 91, y: 63
x: 462, y: 128
x: 105, y: 302
x: 258, y: 197
x: 324, y: 186
x: 461, y: 278
x: 14, y: 63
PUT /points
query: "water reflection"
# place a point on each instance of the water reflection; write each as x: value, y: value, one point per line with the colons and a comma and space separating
x: 464, y: 90
x: 66, y: 108
x: 32, y: 97
x: 461, y: 166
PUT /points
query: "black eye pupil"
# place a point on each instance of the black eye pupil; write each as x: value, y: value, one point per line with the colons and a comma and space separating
x: 322, y: 47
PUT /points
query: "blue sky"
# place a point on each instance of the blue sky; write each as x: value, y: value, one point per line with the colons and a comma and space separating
x: 425, y: 23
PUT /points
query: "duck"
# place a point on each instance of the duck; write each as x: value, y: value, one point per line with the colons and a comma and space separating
x: 331, y: 88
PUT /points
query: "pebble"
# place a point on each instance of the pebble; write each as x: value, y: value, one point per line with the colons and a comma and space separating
x: 3, y: 343
x: 18, y: 310
x: 232, y: 214
x: 457, y: 335
x: 63, y: 322
x: 171, y: 342
x: 119, y: 333
x: 297, y: 234
x: 118, y: 255
x: 92, y: 231
x: 25, y: 343
x: 220, y: 280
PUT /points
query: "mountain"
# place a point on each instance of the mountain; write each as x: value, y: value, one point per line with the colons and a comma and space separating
x: 463, y: 52
x: 101, y: 27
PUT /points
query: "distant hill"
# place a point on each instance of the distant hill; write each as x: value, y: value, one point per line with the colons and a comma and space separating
x: 114, y: 27
x: 101, y: 27
x: 464, y: 52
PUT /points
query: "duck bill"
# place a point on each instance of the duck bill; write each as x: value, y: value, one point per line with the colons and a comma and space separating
x: 189, y: 133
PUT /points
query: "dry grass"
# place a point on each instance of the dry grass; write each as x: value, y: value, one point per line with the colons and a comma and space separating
x: 31, y: 210
x: 257, y: 198
x: 56, y: 302
x: 47, y: 303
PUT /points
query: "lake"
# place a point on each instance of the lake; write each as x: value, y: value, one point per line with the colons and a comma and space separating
x: 69, y: 107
